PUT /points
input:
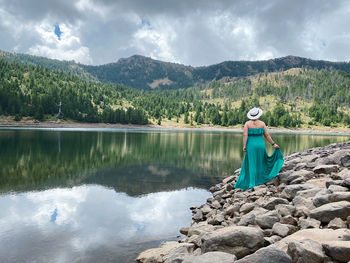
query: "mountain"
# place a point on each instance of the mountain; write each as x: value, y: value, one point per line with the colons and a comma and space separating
x: 141, y: 72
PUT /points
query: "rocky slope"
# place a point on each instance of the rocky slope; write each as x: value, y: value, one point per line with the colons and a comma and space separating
x: 303, y: 215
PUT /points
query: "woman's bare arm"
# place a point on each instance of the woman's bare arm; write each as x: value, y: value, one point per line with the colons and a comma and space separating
x: 245, y: 136
x: 269, y: 139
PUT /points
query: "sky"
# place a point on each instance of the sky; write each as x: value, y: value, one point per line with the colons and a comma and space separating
x: 196, y: 32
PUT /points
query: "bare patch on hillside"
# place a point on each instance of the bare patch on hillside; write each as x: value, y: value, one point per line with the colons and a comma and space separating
x: 157, y: 82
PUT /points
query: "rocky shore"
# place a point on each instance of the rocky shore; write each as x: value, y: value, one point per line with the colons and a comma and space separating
x: 302, y: 215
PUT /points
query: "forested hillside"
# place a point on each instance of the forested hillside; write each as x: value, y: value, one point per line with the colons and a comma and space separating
x: 141, y: 72
x: 290, y: 98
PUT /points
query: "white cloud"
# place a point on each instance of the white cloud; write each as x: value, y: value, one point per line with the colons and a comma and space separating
x: 69, y: 46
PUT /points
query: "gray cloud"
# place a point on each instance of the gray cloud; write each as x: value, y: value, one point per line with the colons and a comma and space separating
x: 195, y: 33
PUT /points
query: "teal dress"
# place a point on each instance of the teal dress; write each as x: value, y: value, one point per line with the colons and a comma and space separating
x: 258, y: 167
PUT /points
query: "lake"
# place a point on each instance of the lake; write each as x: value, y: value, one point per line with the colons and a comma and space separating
x: 103, y: 195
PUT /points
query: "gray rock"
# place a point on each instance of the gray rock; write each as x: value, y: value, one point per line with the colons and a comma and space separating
x: 320, y: 199
x: 309, y: 192
x: 345, y: 160
x: 237, y: 240
x: 230, y: 210
x: 309, y: 223
x: 272, y: 239
x: 285, y: 210
x: 205, y: 209
x: 327, y: 212
x: 337, y: 188
x: 336, y: 223
x: 228, y: 179
x: 267, y: 220
x: 198, y: 215
x: 326, y: 169
x: 249, y: 219
x: 201, y: 229
x: 216, y: 219
x: 339, y: 196
x: 333, y: 182
x: 210, y: 257
x: 291, y: 190
x: 306, y: 251
x: 289, y: 220
x: 215, y: 204
x: 273, y: 201
x: 338, y: 250
x: 283, y: 230
x: 299, y: 201
x: 246, y: 208
x: 267, y: 255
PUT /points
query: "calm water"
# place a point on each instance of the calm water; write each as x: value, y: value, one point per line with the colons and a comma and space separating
x: 104, y: 196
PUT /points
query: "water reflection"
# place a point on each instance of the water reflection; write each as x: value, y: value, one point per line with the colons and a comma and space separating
x: 158, y: 161
x: 89, y: 222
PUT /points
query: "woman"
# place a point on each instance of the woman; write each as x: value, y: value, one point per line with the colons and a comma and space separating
x: 258, y: 167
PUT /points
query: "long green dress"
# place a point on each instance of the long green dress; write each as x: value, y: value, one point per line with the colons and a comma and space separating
x: 258, y: 167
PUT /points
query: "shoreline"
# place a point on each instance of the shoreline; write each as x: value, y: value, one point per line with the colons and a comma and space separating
x: 76, y: 125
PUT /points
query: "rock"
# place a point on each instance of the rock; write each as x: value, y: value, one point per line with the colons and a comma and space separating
x: 249, y: 219
x: 205, y: 209
x: 320, y: 199
x: 283, y: 230
x: 338, y: 250
x: 336, y: 223
x: 177, y: 254
x: 299, y: 201
x: 285, y: 210
x: 309, y: 223
x: 184, y: 231
x: 201, y: 229
x: 210, y: 257
x: 307, y: 251
x: 217, y: 219
x: 289, y: 220
x: 273, y: 201
x: 319, y: 235
x: 155, y: 255
x: 333, y: 182
x: 198, y: 215
x: 246, y: 208
x: 230, y: 210
x: 237, y: 240
x: 267, y: 255
x: 337, y: 188
x: 326, y: 169
x: 291, y: 190
x: 215, y: 204
x: 327, y: 212
x: 267, y: 220
x: 308, y: 193
x: 228, y: 179
x: 345, y: 160
x: 273, y: 239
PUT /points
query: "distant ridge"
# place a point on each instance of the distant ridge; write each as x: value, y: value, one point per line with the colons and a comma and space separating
x: 141, y: 72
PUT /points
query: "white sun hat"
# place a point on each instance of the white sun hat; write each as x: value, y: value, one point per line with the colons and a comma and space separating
x: 254, y: 113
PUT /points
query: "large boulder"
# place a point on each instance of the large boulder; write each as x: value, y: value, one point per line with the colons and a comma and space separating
x: 283, y: 229
x: 237, y: 240
x: 306, y: 251
x: 156, y: 255
x: 327, y: 212
x: 338, y: 250
x: 339, y: 196
x: 321, y: 236
x: 210, y: 257
x: 267, y: 255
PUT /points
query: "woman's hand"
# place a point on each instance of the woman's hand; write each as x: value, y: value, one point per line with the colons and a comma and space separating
x: 276, y: 146
x: 244, y: 149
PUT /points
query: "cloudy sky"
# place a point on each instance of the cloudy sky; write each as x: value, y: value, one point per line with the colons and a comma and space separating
x: 198, y: 32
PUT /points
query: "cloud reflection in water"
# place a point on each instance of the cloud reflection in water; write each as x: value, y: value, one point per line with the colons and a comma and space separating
x: 62, y: 225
